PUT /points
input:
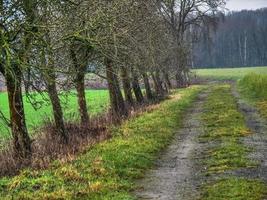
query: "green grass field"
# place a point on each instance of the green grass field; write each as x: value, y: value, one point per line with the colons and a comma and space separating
x: 229, y: 73
x: 97, y: 101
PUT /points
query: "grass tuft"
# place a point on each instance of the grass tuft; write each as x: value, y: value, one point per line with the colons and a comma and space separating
x: 254, y: 88
x: 262, y: 107
x: 233, y: 188
x: 254, y: 85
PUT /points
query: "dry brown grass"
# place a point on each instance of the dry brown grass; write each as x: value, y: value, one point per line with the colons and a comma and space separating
x: 47, y: 146
x: 262, y: 106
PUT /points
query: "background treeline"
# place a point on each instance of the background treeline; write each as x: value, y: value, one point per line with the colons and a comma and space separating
x: 49, y: 46
x: 237, y: 39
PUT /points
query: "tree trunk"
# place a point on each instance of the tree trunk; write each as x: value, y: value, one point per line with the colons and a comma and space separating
x: 149, y: 93
x: 80, y: 87
x: 158, y: 84
x: 21, y: 139
x: 158, y: 78
x: 56, y: 105
x: 136, y: 88
x: 116, y: 99
x: 167, y: 79
x: 156, y: 87
x: 180, y: 79
x: 127, y: 86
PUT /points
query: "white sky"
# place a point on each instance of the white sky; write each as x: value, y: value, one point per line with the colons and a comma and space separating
x: 236, y: 5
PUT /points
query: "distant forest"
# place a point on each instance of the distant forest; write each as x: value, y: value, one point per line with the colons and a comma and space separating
x: 238, y: 39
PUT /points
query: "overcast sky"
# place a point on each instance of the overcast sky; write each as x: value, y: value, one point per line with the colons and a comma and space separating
x: 246, y: 4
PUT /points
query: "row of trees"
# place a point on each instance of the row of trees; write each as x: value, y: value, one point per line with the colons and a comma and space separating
x: 49, y: 46
x: 239, y: 40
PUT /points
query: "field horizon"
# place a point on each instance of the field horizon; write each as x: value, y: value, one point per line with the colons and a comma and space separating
x: 229, y: 73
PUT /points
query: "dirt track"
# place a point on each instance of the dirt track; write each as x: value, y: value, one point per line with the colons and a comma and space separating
x: 178, y: 174
x: 175, y: 175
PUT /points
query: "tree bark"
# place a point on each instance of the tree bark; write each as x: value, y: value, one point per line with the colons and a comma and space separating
x: 56, y: 105
x: 180, y: 80
x: 126, y: 83
x: 158, y: 84
x: 80, y: 87
x: 21, y: 139
x: 156, y: 87
x: 167, y: 79
x: 136, y: 88
x: 149, y: 93
x: 118, y: 107
x: 158, y: 78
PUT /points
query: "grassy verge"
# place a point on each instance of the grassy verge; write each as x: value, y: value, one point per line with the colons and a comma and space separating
x: 254, y: 88
x: 224, y: 126
x: 109, y: 169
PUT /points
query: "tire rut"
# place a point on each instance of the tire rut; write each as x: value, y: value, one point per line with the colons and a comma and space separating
x: 257, y: 141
